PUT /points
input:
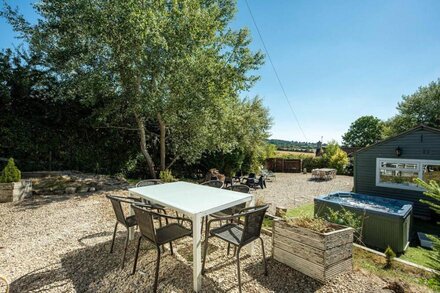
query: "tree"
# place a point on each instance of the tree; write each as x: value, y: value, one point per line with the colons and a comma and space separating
x: 335, y: 157
x: 364, y: 131
x: 169, y: 70
x: 433, y: 191
x: 422, y: 107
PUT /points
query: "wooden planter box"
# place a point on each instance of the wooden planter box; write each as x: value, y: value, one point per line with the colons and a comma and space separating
x: 318, y: 255
x: 15, y: 191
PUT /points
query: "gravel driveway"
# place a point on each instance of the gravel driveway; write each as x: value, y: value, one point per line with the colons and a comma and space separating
x: 61, y: 244
x: 294, y: 189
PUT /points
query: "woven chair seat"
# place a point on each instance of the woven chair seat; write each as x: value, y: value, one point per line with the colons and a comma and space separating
x: 171, y: 232
x: 131, y: 221
x: 231, y: 233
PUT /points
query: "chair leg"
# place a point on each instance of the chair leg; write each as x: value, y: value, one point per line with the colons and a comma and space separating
x: 125, y: 249
x: 171, y: 248
x: 264, y: 257
x: 136, y: 255
x: 238, y: 269
x: 229, y: 247
x: 114, y: 236
x: 156, y: 278
x: 205, y: 251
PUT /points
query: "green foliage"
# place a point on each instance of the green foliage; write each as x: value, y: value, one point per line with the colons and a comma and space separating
x: 311, y: 163
x: 422, y: 107
x: 314, y: 224
x: 364, y: 131
x: 390, y: 255
x: 433, y: 191
x: 45, y: 131
x: 346, y: 218
x: 166, y: 176
x: 270, y: 150
x: 334, y: 157
x: 299, y: 146
x: 10, y: 173
x: 110, y: 59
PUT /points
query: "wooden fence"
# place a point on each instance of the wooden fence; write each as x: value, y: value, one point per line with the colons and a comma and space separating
x: 284, y: 165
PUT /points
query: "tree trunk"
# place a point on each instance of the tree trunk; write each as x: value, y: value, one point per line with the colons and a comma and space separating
x: 143, y: 143
x: 162, y: 142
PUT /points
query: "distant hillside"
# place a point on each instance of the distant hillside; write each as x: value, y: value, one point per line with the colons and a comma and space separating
x: 299, y: 146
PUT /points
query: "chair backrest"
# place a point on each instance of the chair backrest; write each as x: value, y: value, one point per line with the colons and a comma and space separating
x: 148, y: 182
x: 253, y: 220
x: 214, y: 183
x: 144, y: 219
x: 251, y: 175
x: 240, y: 188
x: 117, y: 208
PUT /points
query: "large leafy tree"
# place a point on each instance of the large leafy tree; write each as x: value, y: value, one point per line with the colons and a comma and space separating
x: 171, y: 70
x: 364, y: 131
x: 422, y: 107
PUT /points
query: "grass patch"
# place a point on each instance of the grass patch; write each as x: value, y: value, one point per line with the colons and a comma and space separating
x: 305, y: 210
x: 267, y: 223
x: 375, y: 264
x: 418, y: 255
x: 415, y: 253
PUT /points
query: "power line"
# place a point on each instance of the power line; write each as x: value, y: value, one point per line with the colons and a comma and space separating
x: 274, y: 69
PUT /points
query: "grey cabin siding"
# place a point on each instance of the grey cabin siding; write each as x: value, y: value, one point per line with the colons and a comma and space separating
x: 421, y: 143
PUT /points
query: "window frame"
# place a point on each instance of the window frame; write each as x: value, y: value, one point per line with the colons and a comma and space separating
x: 419, y: 171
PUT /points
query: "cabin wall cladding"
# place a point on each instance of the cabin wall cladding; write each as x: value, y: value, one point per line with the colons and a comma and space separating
x: 284, y: 165
x: 318, y: 255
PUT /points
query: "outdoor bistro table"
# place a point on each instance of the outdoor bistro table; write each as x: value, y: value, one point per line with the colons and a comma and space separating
x: 195, y: 201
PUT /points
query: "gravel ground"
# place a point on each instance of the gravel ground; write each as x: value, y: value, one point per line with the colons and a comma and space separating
x: 61, y: 244
x: 294, y: 189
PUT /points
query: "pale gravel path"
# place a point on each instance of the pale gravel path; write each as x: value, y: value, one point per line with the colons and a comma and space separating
x: 60, y: 244
x: 294, y: 189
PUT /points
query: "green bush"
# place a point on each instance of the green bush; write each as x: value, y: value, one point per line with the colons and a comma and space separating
x: 433, y: 192
x: 347, y: 218
x: 10, y: 173
x: 390, y: 255
x: 166, y: 176
x: 335, y: 157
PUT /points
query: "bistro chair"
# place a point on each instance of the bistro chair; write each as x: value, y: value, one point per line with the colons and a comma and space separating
x: 163, y: 235
x: 239, y: 235
x: 230, y: 211
x: 213, y: 183
x: 127, y: 222
x: 148, y: 182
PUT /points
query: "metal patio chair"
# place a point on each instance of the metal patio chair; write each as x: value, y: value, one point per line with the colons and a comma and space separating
x: 163, y: 235
x: 239, y: 235
x: 213, y: 183
x: 127, y: 222
x: 148, y: 182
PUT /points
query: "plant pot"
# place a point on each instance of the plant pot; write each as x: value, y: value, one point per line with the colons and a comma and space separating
x: 317, y: 255
x: 15, y: 191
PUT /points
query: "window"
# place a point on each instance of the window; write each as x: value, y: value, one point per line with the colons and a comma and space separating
x: 400, y: 173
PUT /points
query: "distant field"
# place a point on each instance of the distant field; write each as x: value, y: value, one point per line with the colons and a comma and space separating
x: 281, y: 153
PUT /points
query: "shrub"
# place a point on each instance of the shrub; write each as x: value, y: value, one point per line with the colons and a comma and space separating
x: 347, y: 218
x: 335, y: 157
x: 390, y: 255
x: 10, y: 173
x: 166, y: 176
x: 433, y: 191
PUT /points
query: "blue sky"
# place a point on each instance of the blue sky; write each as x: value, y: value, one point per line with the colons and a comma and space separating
x: 338, y: 60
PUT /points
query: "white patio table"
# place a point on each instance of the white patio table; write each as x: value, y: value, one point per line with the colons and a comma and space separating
x: 195, y: 201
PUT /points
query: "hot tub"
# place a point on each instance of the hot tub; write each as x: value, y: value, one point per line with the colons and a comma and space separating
x: 387, y: 221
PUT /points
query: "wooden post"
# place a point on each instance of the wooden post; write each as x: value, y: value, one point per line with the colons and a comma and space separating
x: 280, y: 211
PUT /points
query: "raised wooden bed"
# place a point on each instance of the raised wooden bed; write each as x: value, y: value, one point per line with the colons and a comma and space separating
x: 318, y: 255
x: 15, y: 191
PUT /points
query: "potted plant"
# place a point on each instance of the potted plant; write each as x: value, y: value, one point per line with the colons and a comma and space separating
x: 12, y: 188
x: 313, y: 246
